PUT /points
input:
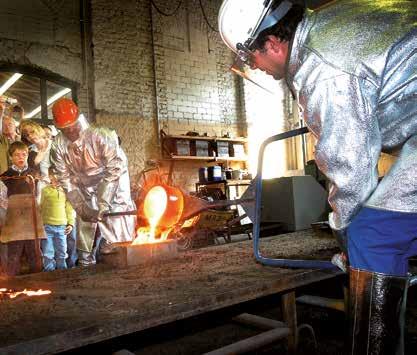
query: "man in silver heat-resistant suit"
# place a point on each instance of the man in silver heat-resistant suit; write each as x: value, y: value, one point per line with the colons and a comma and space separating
x: 352, y: 66
x: 92, y: 169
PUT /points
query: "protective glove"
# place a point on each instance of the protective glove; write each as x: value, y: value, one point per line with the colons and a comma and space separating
x: 101, y: 214
x: 80, y: 205
x: 341, y: 259
x: 89, y: 214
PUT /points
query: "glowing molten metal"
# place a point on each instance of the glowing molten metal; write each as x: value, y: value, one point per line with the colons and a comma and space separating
x: 162, y: 208
x: 14, y: 294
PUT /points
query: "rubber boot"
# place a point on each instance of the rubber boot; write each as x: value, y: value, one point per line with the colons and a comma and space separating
x: 377, y: 305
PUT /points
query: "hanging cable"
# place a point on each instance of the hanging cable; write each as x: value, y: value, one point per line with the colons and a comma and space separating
x: 165, y: 13
x: 206, y: 19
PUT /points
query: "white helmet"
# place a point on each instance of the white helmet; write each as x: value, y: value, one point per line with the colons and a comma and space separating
x: 241, y: 21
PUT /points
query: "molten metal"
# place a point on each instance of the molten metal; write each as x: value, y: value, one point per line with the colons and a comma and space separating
x: 30, y: 293
x: 162, y: 208
x: 166, y: 207
x: 155, y: 206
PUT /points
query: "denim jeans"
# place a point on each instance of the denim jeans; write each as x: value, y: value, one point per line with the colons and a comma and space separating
x: 54, y: 248
x: 72, y: 248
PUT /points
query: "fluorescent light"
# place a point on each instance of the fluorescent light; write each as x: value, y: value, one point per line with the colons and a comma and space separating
x: 49, y: 102
x: 15, y: 77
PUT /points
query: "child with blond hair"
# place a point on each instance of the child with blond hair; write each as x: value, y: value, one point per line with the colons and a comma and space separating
x: 58, y: 218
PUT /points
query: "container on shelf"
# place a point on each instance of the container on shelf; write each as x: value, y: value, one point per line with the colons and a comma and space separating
x: 214, y: 173
x: 202, y: 175
x: 237, y: 174
x: 237, y: 150
x: 183, y: 147
x: 228, y: 174
x: 223, y: 149
x: 202, y: 148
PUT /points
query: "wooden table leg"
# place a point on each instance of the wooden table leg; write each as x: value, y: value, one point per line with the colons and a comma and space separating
x: 289, y: 313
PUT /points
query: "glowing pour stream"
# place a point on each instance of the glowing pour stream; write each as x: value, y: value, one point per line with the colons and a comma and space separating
x: 155, y: 205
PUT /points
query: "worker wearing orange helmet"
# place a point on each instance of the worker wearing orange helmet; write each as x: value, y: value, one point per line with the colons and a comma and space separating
x: 93, y: 170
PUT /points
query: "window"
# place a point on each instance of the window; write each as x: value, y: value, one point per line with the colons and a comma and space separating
x: 31, y: 93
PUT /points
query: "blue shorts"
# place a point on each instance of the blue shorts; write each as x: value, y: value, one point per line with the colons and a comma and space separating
x: 382, y: 241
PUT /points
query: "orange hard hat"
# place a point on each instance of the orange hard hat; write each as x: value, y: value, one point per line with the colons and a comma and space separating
x: 65, y: 113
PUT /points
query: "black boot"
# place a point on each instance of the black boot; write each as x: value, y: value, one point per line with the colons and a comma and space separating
x: 376, y: 307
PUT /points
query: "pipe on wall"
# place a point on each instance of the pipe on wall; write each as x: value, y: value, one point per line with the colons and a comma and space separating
x: 158, y: 124
x: 86, y: 54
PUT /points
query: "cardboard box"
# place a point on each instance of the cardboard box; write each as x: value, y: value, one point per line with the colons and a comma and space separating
x: 238, y: 150
x: 223, y: 149
x: 202, y: 148
x: 183, y: 147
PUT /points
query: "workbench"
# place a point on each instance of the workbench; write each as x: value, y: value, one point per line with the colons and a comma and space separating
x: 89, y: 305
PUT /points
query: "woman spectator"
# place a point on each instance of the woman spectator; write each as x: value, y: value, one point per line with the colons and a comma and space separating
x: 39, y: 146
x: 34, y: 137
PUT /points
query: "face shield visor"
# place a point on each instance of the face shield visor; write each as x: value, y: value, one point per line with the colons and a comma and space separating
x: 241, y: 22
x: 267, y: 19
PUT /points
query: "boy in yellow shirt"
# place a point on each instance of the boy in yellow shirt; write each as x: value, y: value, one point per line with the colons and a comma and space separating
x: 58, y: 218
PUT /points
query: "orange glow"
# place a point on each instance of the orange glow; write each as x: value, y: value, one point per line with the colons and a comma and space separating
x: 191, y: 222
x: 145, y: 235
x: 30, y: 293
x: 162, y: 208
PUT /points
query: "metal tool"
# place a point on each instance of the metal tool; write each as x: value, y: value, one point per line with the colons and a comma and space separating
x: 306, y: 264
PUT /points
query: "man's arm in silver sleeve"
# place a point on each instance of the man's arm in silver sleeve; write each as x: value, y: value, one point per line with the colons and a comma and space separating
x: 349, y: 144
x: 115, y: 164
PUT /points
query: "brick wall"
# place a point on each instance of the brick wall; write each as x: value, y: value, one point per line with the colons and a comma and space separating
x: 142, y: 71
x: 170, y: 72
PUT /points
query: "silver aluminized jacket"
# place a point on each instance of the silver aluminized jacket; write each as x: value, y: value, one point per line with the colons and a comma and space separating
x: 353, y: 69
x: 94, y: 174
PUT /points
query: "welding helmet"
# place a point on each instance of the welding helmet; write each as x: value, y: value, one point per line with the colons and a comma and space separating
x: 241, y: 22
x: 65, y: 113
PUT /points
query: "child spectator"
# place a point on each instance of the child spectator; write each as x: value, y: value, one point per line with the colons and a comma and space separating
x: 17, y: 235
x: 58, y: 218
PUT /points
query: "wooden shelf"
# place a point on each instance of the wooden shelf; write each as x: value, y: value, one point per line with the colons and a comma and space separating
x: 213, y: 159
x: 207, y: 138
x: 227, y: 182
x: 170, y: 149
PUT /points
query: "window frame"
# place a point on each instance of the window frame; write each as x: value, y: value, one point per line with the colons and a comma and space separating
x: 44, y: 76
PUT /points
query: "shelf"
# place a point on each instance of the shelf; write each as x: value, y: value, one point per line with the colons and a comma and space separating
x: 227, y: 182
x: 207, y: 138
x: 213, y: 159
x: 190, y: 148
